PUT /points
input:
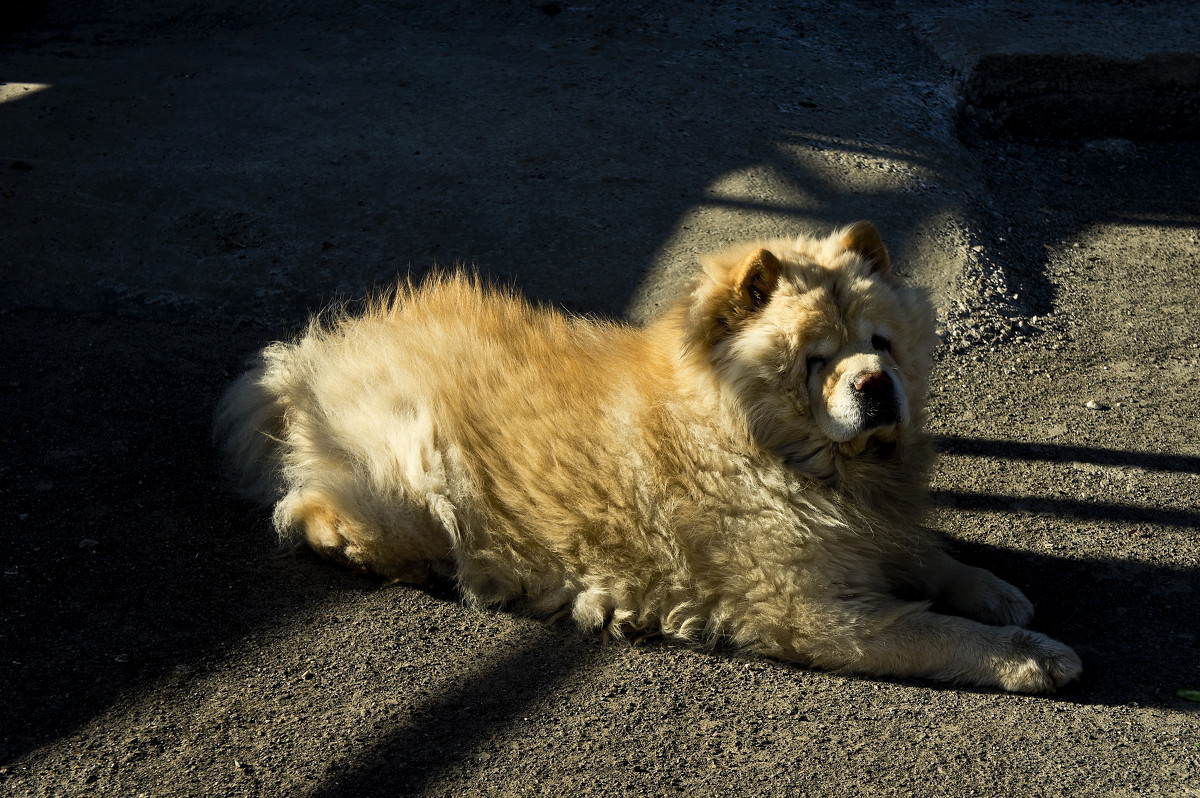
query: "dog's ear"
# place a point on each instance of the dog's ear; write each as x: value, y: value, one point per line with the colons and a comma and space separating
x: 730, y: 293
x: 755, y: 278
x: 863, y: 238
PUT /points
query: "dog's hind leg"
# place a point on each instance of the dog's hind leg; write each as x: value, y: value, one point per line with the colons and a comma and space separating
x: 402, y: 555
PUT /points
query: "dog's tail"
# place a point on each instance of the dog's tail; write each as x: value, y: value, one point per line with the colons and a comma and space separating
x: 250, y: 424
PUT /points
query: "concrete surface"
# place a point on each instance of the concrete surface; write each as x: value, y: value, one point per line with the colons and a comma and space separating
x: 180, y: 185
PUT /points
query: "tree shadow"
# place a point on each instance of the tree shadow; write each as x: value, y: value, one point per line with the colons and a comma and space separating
x: 1059, y: 453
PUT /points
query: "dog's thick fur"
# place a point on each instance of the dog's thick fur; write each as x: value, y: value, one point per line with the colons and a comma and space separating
x: 751, y: 468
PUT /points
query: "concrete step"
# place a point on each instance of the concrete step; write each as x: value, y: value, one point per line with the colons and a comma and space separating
x: 1068, y: 70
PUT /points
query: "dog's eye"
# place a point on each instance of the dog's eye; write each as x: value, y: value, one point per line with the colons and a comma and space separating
x: 881, y: 343
x: 814, y: 364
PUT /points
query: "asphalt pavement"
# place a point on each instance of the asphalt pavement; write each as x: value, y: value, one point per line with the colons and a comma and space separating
x: 183, y: 182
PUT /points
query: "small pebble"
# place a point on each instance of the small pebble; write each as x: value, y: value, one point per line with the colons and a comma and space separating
x: 88, y: 543
x: 1094, y: 405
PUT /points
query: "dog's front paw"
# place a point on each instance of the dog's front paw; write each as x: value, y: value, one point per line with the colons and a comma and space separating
x: 1037, y: 664
x: 978, y: 593
x: 1003, y: 605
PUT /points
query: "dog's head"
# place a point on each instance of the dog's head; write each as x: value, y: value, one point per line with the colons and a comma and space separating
x: 826, y: 349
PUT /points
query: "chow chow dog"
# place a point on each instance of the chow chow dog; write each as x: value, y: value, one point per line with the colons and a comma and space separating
x: 750, y: 469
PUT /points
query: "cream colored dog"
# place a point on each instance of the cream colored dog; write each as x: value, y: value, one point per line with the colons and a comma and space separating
x: 750, y: 468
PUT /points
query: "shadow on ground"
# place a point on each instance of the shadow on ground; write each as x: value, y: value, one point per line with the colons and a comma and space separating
x: 450, y: 725
x: 1132, y: 621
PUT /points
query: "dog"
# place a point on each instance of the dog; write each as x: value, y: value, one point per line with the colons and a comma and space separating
x: 749, y: 469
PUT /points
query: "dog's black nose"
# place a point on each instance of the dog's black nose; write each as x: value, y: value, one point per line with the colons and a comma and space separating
x: 877, y: 398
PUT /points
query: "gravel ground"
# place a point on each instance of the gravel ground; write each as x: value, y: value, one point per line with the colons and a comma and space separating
x: 154, y: 642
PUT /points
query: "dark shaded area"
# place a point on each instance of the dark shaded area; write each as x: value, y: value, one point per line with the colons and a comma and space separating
x: 1131, y: 622
x: 1059, y: 453
x: 124, y: 557
x: 19, y: 14
x: 1068, y: 508
x: 1075, y: 97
